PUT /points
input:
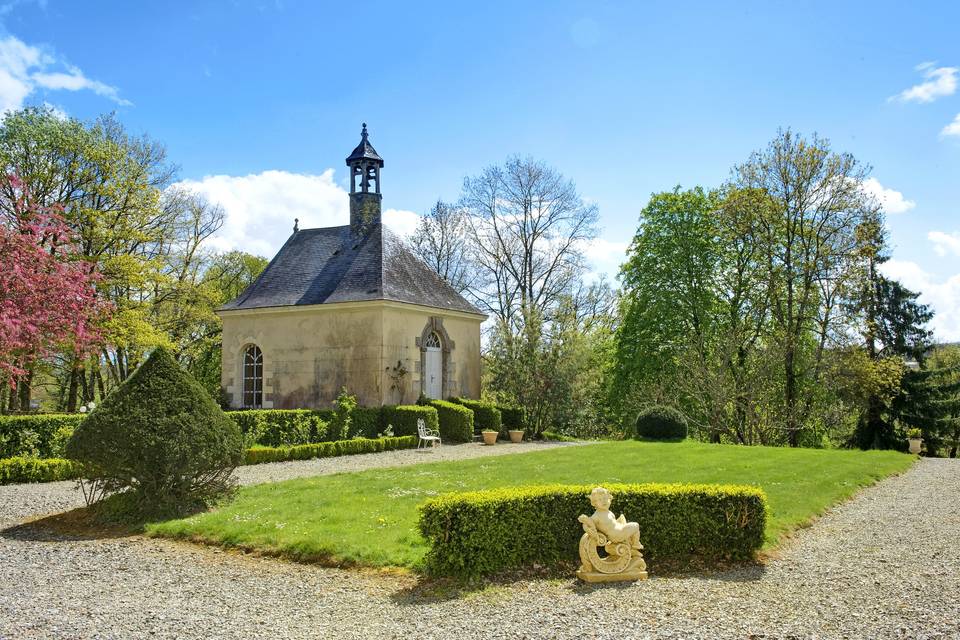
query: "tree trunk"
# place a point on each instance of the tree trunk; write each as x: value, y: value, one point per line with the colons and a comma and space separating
x: 23, y: 391
x: 72, y: 391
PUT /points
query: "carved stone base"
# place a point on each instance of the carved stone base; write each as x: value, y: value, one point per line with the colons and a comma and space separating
x: 625, y: 576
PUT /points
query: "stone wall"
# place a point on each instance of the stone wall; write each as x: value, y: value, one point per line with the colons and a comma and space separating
x: 310, y: 353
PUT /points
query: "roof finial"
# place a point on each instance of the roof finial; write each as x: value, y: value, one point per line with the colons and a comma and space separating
x: 363, y: 134
x: 296, y: 225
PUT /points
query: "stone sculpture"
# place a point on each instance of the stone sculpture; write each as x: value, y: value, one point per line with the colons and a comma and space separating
x: 619, y: 539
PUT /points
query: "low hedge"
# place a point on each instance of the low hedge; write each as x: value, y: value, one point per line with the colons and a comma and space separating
x: 20, y: 469
x: 483, y: 532
x: 259, y: 455
x: 36, y: 435
x: 661, y: 423
x: 485, y: 414
x: 456, y: 421
x: 403, y: 418
x: 513, y: 417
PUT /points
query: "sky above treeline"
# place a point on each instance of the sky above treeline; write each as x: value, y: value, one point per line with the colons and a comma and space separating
x: 260, y: 102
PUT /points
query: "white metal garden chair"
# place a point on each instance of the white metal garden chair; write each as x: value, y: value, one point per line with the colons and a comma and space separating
x: 427, y: 436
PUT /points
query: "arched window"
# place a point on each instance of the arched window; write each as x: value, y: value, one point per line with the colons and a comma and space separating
x: 252, y: 377
x: 433, y: 340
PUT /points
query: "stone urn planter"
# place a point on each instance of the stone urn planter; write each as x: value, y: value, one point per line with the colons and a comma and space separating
x: 913, y: 437
x: 489, y: 437
x: 516, y: 436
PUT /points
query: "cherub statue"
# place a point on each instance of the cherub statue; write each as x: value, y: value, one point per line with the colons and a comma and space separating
x: 620, y: 540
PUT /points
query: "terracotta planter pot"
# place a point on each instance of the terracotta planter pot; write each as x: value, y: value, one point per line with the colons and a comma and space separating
x: 915, y: 445
x: 489, y: 437
x: 516, y: 436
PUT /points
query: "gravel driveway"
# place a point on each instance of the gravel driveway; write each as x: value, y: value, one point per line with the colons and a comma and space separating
x: 883, y: 565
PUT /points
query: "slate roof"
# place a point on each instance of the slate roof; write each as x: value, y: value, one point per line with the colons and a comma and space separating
x: 335, y: 264
x: 364, y: 150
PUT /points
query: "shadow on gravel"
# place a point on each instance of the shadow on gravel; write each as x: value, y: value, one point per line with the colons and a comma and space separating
x: 427, y: 590
x: 77, y: 524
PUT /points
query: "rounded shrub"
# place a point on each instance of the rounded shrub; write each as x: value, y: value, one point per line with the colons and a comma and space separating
x: 159, y: 438
x: 661, y: 423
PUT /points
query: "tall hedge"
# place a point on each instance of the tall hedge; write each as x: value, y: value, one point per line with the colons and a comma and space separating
x: 514, y: 418
x: 456, y: 421
x: 280, y: 427
x: 403, y: 418
x: 483, y: 532
x: 162, y: 437
x: 486, y: 416
x: 41, y: 435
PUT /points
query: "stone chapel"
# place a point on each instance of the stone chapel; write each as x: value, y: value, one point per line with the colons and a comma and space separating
x: 352, y: 307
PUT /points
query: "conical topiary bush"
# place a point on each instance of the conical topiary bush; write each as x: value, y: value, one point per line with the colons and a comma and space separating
x: 162, y: 438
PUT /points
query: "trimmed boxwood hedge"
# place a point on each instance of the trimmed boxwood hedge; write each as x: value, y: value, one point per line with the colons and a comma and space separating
x: 259, y: 455
x: 483, y: 532
x: 456, y: 421
x: 280, y: 427
x: 514, y: 418
x: 42, y: 434
x: 485, y: 414
x: 661, y: 423
x: 20, y: 469
x: 403, y: 418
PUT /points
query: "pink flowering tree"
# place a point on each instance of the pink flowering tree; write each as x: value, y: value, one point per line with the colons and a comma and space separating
x: 48, y: 299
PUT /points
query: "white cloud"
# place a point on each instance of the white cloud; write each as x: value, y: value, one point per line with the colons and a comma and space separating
x: 606, y: 256
x: 944, y: 243
x: 260, y: 208
x: 25, y: 69
x: 952, y: 129
x: 939, y: 82
x: 891, y: 200
x: 943, y: 296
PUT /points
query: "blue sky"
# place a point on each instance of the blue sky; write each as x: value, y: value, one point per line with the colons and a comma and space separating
x: 259, y: 102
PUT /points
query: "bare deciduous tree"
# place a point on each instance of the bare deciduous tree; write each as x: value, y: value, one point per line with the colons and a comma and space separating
x: 528, y: 225
x: 443, y: 242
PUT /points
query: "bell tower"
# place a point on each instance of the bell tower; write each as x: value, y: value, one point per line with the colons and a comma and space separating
x: 365, y: 198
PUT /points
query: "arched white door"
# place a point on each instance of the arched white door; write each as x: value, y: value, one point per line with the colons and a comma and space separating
x: 433, y: 368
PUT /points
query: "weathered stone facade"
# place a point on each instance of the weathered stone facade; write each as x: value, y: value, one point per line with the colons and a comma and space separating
x: 310, y: 353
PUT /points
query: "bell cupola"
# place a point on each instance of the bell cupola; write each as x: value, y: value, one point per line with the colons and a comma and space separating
x: 365, y: 198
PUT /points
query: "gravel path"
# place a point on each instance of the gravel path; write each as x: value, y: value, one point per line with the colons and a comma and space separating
x: 884, y: 565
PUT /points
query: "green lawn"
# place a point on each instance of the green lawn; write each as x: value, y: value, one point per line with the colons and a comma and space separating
x: 370, y: 517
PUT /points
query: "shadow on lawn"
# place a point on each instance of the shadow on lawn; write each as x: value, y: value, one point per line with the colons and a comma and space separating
x: 429, y: 590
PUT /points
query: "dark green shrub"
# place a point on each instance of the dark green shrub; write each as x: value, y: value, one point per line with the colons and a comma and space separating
x: 483, y: 532
x: 513, y: 417
x: 259, y: 455
x: 160, y: 436
x: 404, y: 418
x: 661, y: 423
x: 485, y: 414
x: 367, y: 422
x: 39, y: 435
x: 19, y: 469
x: 456, y: 421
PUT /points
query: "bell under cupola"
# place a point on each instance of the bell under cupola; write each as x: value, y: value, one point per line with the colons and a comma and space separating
x: 365, y: 198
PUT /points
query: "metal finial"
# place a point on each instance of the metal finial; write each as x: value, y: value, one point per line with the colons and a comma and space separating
x: 363, y: 133
x: 296, y: 225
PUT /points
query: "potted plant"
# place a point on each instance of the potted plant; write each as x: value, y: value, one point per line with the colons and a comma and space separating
x: 489, y: 436
x: 516, y: 436
x: 915, y: 437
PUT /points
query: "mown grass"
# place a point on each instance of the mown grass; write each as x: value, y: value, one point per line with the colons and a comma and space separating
x: 370, y: 517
